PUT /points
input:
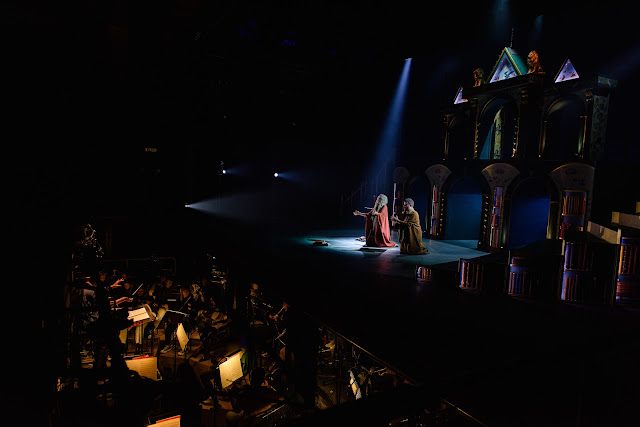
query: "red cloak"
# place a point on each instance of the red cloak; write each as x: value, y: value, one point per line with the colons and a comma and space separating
x: 378, y: 234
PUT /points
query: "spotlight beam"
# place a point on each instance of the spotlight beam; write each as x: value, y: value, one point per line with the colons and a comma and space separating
x: 393, y: 123
x: 243, y: 207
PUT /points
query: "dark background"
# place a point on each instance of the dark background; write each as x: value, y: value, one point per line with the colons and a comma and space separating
x: 264, y: 87
x: 275, y: 85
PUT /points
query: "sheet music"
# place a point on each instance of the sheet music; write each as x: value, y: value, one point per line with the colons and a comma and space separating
x: 183, y: 339
x: 231, y: 370
x: 145, y: 366
x: 168, y: 422
x: 138, y: 315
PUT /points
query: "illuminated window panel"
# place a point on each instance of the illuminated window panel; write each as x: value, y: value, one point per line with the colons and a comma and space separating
x: 505, y: 71
x: 567, y: 72
x: 509, y: 65
x: 459, y: 99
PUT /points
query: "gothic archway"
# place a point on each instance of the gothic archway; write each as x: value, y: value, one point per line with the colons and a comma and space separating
x: 497, y: 129
x: 464, y: 208
x: 529, y: 215
x: 563, y: 129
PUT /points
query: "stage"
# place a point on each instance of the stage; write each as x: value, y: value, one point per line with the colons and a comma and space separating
x: 507, y: 360
x: 344, y: 246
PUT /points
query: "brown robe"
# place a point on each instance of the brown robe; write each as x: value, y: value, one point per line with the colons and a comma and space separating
x: 410, y: 234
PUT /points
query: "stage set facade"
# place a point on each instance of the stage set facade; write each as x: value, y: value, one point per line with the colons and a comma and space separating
x: 519, y: 156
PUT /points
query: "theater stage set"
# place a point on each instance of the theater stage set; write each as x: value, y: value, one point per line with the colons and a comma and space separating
x: 525, y: 311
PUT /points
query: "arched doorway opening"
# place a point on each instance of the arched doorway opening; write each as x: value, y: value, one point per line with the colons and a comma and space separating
x: 562, y: 130
x: 497, y: 130
x: 464, y: 207
x: 529, y: 213
x: 459, y: 144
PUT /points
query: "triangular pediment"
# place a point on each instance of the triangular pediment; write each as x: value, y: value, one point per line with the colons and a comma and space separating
x: 509, y: 65
x: 567, y: 72
x: 459, y: 99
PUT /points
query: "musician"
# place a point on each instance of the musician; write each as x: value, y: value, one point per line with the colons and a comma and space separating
x: 158, y: 284
x: 190, y: 304
x: 175, y: 299
x: 106, y: 283
x: 140, y: 299
x: 88, y: 301
x: 210, y: 322
x: 299, y: 354
x: 104, y: 330
x: 162, y: 293
x: 377, y: 231
x: 154, y: 295
x: 122, y: 299
x: 252, y: 399
x: 409, y: 230
x: 122, y: 303
x: 280, y: 320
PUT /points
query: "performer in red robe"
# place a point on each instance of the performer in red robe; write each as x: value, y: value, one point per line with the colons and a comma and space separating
x: 376, y: 228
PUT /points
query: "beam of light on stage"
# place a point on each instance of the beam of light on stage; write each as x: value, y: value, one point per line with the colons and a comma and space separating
x: 243, y: 207
x: 390, y: 133
x: 500, y: 22
x: 535, y: 37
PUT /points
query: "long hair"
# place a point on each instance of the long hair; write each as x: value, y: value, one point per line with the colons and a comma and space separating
x: 383, y: 201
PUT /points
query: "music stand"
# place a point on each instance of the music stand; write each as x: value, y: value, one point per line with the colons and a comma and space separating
x: 230, y: 370
x: 141, y: 316
x: 180, y: 339
x: 146, y: 366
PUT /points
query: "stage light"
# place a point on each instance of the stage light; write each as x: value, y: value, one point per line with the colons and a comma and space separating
x: 238, y: 206
x: 275, y: 174
x: 389, y: 137
x: 224, y: 171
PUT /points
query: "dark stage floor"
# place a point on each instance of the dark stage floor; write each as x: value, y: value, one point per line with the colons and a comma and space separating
x: 507, y: 361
